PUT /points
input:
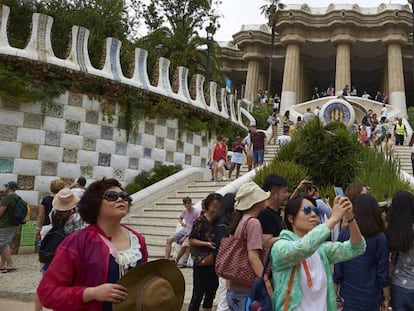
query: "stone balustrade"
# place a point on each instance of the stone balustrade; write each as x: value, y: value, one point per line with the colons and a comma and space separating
x: 39, y: 49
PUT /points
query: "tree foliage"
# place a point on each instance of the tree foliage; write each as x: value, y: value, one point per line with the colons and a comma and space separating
x: 176, y: 30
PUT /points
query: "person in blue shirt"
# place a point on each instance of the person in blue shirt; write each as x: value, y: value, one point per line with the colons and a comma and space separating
x: 364, y: 282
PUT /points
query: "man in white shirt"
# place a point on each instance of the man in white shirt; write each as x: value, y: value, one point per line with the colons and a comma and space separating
x: 285, y: 138
x: 384, y: 113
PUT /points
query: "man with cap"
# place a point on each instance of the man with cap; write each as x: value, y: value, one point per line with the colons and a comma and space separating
x: 270, y: 219
x: 7, y: 229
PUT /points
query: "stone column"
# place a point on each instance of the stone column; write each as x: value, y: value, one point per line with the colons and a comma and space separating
x: 262, y: 85
x: 343, y: 43
x: 252, y: 80
x: 291, y: 74
x: 395, y: 73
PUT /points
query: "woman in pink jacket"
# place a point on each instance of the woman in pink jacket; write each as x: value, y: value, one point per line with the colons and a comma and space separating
x: 88, y: 263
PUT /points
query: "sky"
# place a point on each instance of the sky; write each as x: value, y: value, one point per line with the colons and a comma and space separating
x: 239, y: 12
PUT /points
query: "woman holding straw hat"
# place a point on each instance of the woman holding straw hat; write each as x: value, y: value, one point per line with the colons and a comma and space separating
x: 250, y: 201
x: 89, y: 262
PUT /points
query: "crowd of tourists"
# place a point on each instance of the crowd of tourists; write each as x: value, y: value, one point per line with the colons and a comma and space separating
x: 347, y: 91
x: 345, y: 253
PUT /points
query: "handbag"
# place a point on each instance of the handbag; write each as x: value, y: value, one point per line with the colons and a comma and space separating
x: 232, y: 262
x: 207, y: 260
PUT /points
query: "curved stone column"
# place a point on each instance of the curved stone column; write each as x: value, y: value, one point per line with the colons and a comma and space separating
x: 343, y: 44
x: 291, y: 73
x: 395, y: 72
x: 252, y: 79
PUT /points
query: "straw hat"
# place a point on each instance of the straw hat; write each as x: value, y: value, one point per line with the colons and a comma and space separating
x: 155, y: 286
x: 248, y: 195
x: 65, y: 200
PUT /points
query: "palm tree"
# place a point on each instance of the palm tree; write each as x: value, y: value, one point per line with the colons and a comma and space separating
x: 270, y: 11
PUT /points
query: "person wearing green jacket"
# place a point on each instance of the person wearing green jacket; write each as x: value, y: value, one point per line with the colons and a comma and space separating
x: 301, y: 259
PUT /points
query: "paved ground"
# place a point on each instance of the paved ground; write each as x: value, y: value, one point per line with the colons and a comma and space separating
x: 17, y: 288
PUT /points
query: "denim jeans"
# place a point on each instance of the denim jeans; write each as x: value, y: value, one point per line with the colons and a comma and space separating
x: 258, y: 156
x: 237, y: 300
x: 402, y: 299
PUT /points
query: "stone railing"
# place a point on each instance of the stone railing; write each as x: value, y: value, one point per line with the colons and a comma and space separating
x: 39, y: 49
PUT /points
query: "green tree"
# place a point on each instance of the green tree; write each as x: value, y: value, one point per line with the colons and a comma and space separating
x: 174, y: 30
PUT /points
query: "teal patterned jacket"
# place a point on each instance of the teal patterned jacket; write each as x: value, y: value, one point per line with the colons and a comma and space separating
x: 290, y: 250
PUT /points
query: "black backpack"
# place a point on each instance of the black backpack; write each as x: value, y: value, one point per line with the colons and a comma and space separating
x: 18, y: 214
x: 50, y: 243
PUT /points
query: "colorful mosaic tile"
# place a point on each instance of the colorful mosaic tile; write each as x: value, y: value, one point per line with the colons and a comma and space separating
x: 29, y: 151
x: 187, y: 159
x: 107, y: 132
x: 55, y: 110
x: 120, y: 148
x: 8, y: 133
x: 87, y: 171
x: 147, y: 152
x: 159, y: 142
x: 72, y: 127
x: 169, y: 156
x: 32, y: 120
x: 204, y: 141
x: 122, y: 123
x: 203, y: 162
x: 11, y: 104
x: 92, y: 117
x: 6, y: 165
x: 25, y: 182
x: 118, y: 174
x: 89, y: 143
x: 69, y: 155
x: 180, y: 146
x: 135, y: 138
x: 149, y: 128
x: 68, y: 180
x: 75, y: 99
x: 104, y: 159
x: 161, y: 121
x: 189, y: 137
x: 52, y: 138
x: 133, y: 163
x: 197, y: 150
x: 49, y: 168
x: 170, y: 133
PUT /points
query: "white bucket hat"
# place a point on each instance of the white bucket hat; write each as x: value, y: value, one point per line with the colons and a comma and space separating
x: 248, y: 195
x: 65, y: 200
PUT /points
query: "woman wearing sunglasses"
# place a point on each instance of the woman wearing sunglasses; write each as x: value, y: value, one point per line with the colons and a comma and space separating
x: 88, y: 263
x: 301, y: 258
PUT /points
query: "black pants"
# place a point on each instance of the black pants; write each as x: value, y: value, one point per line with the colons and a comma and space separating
x: 205, y: 284
x: 399, y: 139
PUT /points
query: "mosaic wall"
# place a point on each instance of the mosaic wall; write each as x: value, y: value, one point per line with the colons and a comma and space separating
x: 74, y: 139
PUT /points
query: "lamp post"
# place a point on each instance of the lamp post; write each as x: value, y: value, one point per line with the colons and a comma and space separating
x: 210, y: 29
x: 271, y: 12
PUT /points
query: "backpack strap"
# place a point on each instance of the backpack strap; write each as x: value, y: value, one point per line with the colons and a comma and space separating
x: 289, y: 289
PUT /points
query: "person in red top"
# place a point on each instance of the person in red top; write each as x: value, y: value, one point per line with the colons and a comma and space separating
x: 89, y: 262
x: 219, y: 158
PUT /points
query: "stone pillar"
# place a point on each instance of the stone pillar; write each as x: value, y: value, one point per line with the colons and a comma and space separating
x: 263, y: 75
x: 291, y: 74
x: 395, y: 73
x: 343, y: 41
x: 252, y: 80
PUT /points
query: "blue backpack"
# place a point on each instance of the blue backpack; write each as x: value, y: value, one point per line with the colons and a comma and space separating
x: 259, y: 299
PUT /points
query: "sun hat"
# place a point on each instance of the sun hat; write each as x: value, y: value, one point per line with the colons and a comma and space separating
x: 248, y: 195
x: 12, y: 185
x: 65, y: 200
x: 153, y: 286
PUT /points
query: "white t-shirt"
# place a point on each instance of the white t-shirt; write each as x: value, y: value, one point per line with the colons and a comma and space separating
x: 384, y: 112
x: 313, y: 298
x: 283, y: 139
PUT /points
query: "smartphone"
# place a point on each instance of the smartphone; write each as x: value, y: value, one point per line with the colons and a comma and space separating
x: 339, y: 191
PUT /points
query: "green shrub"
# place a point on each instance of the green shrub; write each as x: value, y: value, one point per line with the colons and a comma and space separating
x: 382, y: 174
x: 157, y: 173
x: 292, y: 172
x: 261, y: 113
x: 330, y: 156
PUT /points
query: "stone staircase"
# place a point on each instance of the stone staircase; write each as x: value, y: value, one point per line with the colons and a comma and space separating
x: 159, y: 222
x: 403, y: 153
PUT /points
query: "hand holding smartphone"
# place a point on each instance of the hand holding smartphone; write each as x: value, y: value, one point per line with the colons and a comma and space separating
x: 339, y: 191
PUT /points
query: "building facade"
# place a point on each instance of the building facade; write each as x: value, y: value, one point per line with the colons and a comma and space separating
x: 338, y: 45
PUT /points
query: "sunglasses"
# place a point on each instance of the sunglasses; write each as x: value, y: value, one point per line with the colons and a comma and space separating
x: 113, y: 196
x: 307, y: 209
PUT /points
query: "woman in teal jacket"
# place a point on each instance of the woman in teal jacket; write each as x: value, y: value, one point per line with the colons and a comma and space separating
x: 301, y: 258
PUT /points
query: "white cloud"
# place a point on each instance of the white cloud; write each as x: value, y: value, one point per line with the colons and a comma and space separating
x: 239, y: 12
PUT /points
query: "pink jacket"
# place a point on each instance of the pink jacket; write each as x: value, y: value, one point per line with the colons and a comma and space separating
x: 81, y: 261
